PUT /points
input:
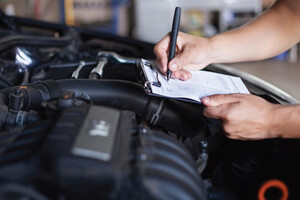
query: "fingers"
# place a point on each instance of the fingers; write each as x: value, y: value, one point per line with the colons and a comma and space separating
x: 161, y: 50
x: 183, y: 59
x: 192, y: 53
x: 243, y: 116
x: 219, y: 99
x: 162, y: 64
x: 182, y: 75
x: 228, y: 122
x: 217, y: 112
x: 221, y: 106
x: 184, y: 55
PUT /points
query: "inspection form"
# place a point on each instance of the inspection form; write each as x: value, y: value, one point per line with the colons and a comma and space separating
x: 202, y: 83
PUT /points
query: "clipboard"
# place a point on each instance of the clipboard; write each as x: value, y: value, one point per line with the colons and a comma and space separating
x: 202, y: 83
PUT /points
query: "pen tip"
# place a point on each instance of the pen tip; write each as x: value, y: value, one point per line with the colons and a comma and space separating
x: 168, y: 75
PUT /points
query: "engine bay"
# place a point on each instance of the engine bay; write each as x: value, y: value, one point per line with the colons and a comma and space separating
x: 76, y: 123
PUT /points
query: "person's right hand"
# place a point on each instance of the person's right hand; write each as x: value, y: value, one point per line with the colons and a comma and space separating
x: 192, y: 53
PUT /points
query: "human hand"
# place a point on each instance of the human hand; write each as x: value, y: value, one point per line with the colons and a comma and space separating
x: 244, y: 116
x: 192, y: 53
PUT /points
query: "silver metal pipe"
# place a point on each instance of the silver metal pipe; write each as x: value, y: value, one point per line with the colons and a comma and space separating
x: 117, y: 57
x: 75, y: 74
x: 97, y: 72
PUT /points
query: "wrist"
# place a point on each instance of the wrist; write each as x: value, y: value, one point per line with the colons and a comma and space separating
x: 286, y: 121
x: 214, y: 49
x: 276, y: 121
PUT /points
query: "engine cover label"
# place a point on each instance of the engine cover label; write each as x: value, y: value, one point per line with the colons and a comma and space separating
x: 97, y: 135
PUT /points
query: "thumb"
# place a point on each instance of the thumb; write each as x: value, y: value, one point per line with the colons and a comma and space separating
x: 219, y: 99
x: 180, y: 60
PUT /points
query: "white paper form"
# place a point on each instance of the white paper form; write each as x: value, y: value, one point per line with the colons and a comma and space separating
x: 202, y: 83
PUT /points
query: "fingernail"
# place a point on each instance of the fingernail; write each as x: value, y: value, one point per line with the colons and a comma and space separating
x: 205, y: 99
x: 173, y: 66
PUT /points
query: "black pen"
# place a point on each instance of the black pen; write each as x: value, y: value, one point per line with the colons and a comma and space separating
x: 174, y: 33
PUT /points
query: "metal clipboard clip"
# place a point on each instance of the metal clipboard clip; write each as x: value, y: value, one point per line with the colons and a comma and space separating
x: 156, y: 83
x: 147, y: 87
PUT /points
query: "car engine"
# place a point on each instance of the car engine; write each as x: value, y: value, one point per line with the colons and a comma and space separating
x: 76, y: 123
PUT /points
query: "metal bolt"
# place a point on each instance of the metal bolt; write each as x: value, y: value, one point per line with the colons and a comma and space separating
x: 144, y: 157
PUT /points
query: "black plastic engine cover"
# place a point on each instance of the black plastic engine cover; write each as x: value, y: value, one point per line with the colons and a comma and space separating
x: 86, y: 154
x: 96, y: 152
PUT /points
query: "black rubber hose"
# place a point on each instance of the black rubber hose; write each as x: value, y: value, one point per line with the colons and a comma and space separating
x: 123, y: 95
x: 21, y: 40
x: 34, y: 94
x: 179, y: 117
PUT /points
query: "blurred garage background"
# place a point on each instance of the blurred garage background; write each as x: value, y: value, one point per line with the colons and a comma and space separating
x: 151, y: 20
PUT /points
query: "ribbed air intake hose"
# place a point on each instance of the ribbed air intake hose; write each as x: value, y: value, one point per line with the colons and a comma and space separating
x: 179, y: 117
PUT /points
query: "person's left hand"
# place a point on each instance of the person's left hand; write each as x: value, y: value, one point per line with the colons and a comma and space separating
x: 244, y: 116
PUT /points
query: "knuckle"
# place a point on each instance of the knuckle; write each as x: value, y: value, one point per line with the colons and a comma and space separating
x: 228, y: 117
x: 176, y: 74
x: 226, y: 128
x: 178, y: 61
x: 207, y: 112
x: 184, y: 76
x: 156, y: 49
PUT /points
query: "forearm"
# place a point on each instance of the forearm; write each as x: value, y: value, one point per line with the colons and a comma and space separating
x: 285, y: 121
x: 271, y: 33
